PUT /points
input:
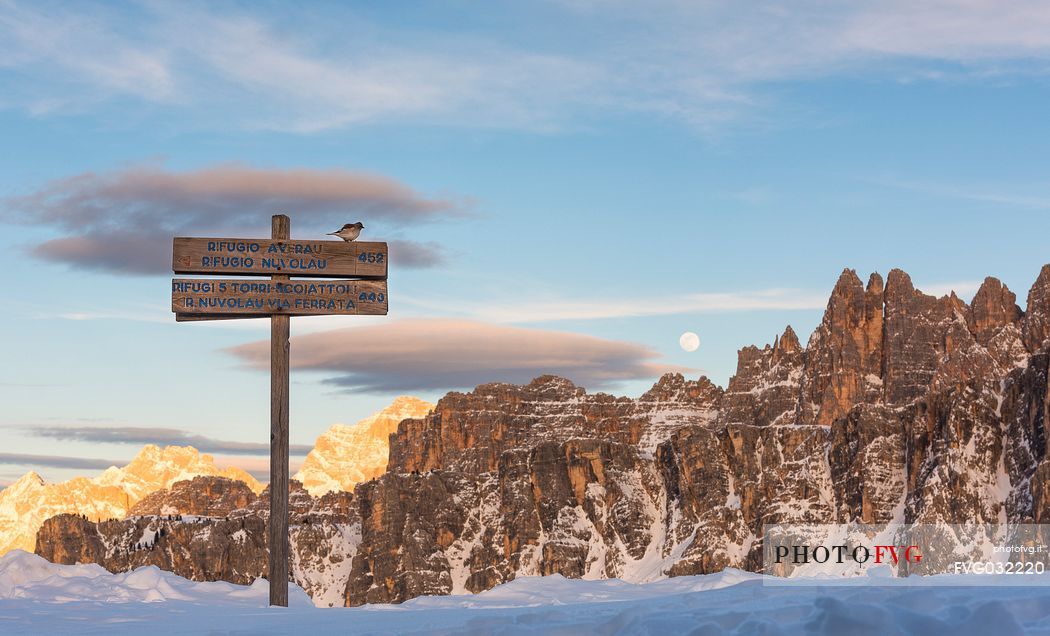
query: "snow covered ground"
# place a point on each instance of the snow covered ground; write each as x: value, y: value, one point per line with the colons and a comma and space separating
x: 39, y: 597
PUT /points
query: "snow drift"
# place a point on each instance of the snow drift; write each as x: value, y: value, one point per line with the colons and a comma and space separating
x: 37, y: 596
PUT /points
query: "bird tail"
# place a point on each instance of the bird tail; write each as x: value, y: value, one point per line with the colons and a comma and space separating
x: 332, y: 233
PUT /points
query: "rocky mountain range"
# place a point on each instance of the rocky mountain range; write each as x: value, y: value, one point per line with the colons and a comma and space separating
x: 901, y: 407
x: 214, y: 528
x: 25, y: 504
x: 342, y: 456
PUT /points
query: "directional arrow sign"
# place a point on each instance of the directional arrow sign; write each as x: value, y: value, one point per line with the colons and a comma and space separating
x: 221, y: 297
x: 266, y: 257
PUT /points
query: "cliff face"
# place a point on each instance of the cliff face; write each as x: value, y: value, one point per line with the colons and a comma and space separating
x: 213, y: 528
x: 200, y: 496
x: 901, y: 407
x: 510, y: 480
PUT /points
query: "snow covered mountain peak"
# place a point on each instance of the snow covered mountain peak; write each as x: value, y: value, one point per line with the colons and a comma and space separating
x: 155, y: 468
x: 25, y: 504
x: 346, y: 455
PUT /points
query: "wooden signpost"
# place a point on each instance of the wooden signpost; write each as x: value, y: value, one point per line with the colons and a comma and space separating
x: 361, y: 292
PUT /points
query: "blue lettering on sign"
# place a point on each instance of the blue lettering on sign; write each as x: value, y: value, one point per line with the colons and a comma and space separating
x: 307, y: 264
x: 311, y: 287
x: 229, y: 262
x: 295, y: 263
x: 243, y: 247
x: 248, y: 262
x: 370, y: 257
x: 275, y: 296
x: 196, y: 287
x: 295, y: 248
x: 326, y: 305
x: 251, y: 287
x: 230, y: 303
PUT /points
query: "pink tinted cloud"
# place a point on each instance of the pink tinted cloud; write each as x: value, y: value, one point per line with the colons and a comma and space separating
x: 123, y: 221
x: 443, y: 354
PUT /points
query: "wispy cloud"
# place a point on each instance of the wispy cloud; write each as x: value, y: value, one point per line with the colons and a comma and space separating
x: 545, y: 310
x: 258, y: 467
x: 310, y: 87
x: 1000, y: 196
x: 160, y: 436
x: 84, y: 55
x: 528, y: 308
x: 57, y: 461
x: 411, y: 355
x: 698, y: 62
x: 123, y: 221
x: 307, y: 80
x: 161, y: 315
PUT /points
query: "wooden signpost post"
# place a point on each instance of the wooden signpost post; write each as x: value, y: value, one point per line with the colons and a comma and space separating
x: 362, y: 268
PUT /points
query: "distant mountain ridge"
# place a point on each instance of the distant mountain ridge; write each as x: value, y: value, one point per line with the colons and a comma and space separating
x: 343, y: 456
x: 26, y: 503
x: 346, y: 455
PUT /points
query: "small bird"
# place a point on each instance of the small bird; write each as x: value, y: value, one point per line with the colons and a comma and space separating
x: 349, y: 232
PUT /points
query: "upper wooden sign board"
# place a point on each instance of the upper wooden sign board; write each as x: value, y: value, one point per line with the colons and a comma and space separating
x: 267, y: 257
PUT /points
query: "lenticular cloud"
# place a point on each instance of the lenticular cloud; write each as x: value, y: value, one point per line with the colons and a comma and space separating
x: 123, y: 221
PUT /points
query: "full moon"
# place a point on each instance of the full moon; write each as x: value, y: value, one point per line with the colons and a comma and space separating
x: 689, y: 341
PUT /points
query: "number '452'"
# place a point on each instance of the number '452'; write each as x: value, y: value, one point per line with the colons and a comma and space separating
x: 370, y: 257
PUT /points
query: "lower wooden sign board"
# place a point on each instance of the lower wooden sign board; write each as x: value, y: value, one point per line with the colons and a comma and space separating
x: 219, y: 298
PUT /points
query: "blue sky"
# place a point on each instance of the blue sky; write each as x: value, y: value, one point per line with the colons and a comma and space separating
x: 570, y: 185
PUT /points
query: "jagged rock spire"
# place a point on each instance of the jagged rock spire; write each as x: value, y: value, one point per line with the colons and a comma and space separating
x: 993, y: 307
x: 845, y: 350
x: 1036, y: 326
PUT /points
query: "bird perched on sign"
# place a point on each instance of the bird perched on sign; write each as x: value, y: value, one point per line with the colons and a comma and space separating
x: 349, y: 232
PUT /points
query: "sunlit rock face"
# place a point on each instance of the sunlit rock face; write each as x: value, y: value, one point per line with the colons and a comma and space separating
x: 25, y: 504
x: 344, y: 456
x: 212, y: 528
x: 201, y: 496
x: 514, y: 480
x: 901, y: 407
